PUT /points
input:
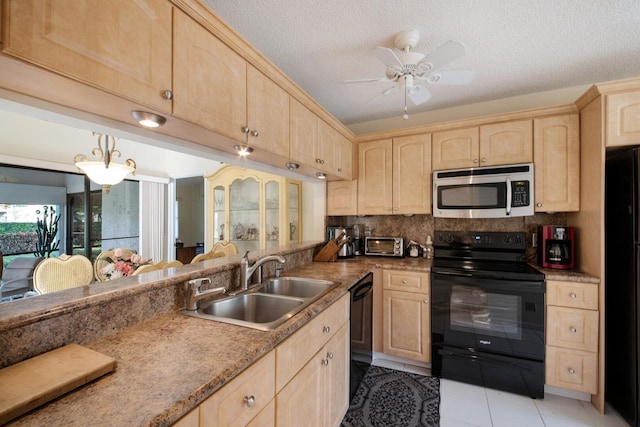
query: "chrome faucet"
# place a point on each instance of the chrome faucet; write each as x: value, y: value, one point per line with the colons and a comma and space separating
x: 194, y: 295
x: 246, y: 270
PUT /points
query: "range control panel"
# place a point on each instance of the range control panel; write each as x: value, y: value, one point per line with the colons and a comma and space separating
x: 480, y: 240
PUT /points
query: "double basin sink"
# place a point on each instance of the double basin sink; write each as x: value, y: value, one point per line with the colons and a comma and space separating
x: 266, y: 306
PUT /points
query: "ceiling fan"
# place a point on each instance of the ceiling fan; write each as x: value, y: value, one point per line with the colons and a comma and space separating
x: 413, y: 71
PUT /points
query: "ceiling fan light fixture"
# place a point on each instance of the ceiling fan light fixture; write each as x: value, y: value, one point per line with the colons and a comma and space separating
x: 148, y: 119
x: 243, y: 150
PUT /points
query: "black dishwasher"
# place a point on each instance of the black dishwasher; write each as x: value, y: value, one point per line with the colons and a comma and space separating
x: 361, y: 330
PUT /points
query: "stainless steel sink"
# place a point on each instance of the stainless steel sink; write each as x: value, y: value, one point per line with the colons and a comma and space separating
x: 266, y: 306
x: 296, y: 287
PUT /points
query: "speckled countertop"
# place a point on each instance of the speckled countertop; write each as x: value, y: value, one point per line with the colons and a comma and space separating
x: 171, y: 363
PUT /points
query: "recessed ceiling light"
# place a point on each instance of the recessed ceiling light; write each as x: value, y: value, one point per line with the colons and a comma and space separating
x: 147, y: 119
x: 243, y: 150
x: 292, y: 166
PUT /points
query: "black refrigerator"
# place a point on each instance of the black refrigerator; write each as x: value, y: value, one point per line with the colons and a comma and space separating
x: 621, y: 284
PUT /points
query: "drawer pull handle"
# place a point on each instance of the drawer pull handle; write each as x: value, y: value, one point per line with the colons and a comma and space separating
x: 572, y: 371
x: 573, y: 330
x: 249, y: 401
x: 573, y: 295
x: 326, y: 329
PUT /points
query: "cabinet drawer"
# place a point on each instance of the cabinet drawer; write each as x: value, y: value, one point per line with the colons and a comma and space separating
x: 572, y: 294
x: 571, y: 369
x: 572, y: 328
x: 294, y: 353
x: 229, y: 406
x: 406, y: 281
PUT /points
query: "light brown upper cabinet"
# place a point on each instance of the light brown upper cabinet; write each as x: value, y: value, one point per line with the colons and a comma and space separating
x: 486, y: 145
x: 395, y: 176
x: 210, y: 80
x: 622, y: 119
x: 557, y: 163
x: 314, y: 143
x: 92, y: 41
x: 217, y: 89
x: 342, y: 198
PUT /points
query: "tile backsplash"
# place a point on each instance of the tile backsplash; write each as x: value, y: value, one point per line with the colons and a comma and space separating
x: 418, y: 227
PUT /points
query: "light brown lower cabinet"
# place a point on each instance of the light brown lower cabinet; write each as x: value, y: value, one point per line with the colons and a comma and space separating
x: 318, y: 394
x: 571, y: 360
x: 406, y: 330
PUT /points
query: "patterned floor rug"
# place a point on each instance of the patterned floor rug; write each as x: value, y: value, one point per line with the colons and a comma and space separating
x: 390, y: 398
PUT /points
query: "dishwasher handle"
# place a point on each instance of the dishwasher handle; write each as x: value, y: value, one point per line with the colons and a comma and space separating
x: 361, y: 290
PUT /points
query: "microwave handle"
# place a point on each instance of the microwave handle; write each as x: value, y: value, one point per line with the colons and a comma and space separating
x: 508, y: 196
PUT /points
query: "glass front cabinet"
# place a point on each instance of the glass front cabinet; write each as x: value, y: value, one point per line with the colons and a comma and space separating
x: 254, y: 210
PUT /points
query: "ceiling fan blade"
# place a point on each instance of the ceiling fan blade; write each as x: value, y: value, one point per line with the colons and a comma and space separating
x: 387, y: 56
x: 383, y: 93
x: 450, y: 51
x: 418, y: 94
x: 382, y: 80
x: 450, y: 77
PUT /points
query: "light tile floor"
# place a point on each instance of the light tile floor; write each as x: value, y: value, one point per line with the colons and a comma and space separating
x: 466, y: 405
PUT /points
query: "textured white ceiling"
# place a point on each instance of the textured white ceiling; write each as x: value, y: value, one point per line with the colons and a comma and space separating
x: 515, y: 47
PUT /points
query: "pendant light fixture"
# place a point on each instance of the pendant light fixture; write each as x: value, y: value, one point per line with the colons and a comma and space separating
x: 104, y: 171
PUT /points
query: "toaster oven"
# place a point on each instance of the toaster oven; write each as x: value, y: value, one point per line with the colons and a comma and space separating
x: 384, y: 246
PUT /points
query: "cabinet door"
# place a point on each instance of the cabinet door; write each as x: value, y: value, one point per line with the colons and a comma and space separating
x: 327, y: 146
x: 301, y: 402
x: 622, y: 119
x: 91, y: 41
x: 458, y: 148
x: 406, y: 325
x: 336, y: 387
x: 267, y: 114
x: 375, y: 178
x: 506, y: 143
x: 412, y: 174
x: 571, y: 369
x: 557, y: 164
x: 342, y: 197
x: 572, y: 328
x: 230, y: 406
x: 210, y: 80
x: 303, y: 130
x: 344, y: 157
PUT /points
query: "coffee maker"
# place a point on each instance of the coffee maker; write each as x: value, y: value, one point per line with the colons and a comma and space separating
x: 556, y: 247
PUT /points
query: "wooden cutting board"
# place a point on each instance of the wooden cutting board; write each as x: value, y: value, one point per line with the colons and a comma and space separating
x: 33, y: 382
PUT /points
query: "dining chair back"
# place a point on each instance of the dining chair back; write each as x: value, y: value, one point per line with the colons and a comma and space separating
x: 63, y: 272
x: 227, y: 247
x: 104, y: 259
x: 207, y: 255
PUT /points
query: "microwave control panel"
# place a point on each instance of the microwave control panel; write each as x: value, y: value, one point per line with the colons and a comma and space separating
x: 520, y: 193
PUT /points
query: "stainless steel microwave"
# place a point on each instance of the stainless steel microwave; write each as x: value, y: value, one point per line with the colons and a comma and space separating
x: 384, y: 246
x: 485, y: 192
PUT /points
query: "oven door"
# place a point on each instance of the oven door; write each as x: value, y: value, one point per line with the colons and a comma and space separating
x: 504, y: 317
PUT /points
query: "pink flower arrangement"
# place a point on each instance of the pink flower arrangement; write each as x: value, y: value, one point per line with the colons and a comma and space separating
x: 122, y: 265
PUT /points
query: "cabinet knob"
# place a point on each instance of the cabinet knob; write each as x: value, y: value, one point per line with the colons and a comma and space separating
x: 249, y: 401
x: 426, y: 301
x: 404, y: 281
x: 573, y: 330
x: 325, y: 362
x: 572, y: 295
x: 475, y: 160
x: 539, y: 205
x: 245, y: 129
x: 572, y: 371
x: 254, y: 133
x: 318, y: 161
x: 326, y: 329
x: 167, y: 94
x: 330, y: 355
x: 339, y: 169
x: 484, y: 159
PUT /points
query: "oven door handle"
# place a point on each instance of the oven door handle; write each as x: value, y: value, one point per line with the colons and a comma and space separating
x: 508, y: 197
x: 477, y: 357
